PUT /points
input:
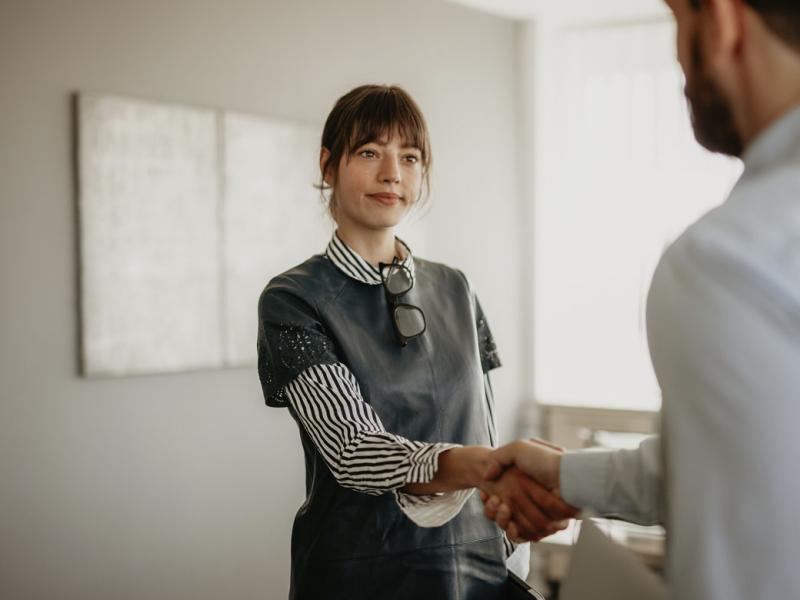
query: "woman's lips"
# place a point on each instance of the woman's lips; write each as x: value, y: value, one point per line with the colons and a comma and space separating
x: 386, y: 198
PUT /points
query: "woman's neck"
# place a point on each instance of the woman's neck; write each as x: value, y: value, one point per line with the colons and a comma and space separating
x: 374, y: 246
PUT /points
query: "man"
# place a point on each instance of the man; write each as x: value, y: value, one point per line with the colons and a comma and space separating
x: 723, y: 323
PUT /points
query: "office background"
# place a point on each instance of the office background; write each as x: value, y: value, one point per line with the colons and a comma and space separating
x: 185, y: 485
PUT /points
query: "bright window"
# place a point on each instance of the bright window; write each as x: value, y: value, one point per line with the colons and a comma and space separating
x: 620, y: 177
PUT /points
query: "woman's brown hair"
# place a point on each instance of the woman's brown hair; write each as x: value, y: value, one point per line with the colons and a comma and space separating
x: 366, y: 114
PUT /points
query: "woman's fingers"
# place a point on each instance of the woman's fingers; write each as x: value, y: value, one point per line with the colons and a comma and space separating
x: 531, y: 521
x: 490, y: 506
x: 503, y: 516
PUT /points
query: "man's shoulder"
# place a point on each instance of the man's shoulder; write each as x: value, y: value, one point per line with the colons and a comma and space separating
x: 749, y: 246
x: 758, y: 225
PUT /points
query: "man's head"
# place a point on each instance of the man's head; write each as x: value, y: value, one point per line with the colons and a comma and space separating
x: 727, y: 49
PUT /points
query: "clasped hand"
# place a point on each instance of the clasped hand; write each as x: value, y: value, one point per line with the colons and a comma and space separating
x: 520, y: 492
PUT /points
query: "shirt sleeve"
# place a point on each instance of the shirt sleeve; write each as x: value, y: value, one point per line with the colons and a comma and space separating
x: 620, y: 483
x: 360, y: 453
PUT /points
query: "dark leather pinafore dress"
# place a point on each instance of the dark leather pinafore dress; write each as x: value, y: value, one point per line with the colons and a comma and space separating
x: 352, y: 546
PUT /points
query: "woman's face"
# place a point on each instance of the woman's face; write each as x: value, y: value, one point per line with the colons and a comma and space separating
x: 378, y: 184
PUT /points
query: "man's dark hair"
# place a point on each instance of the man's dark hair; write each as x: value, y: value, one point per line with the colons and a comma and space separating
x: 781, y: 16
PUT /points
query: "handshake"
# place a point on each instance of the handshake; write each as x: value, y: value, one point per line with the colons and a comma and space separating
x: 520, y: 490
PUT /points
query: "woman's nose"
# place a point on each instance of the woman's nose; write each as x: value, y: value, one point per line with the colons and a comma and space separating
x: 390, y: 170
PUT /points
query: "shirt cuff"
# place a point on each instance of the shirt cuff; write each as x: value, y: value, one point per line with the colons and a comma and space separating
x: 432, y: 510
x: 583, y: 476
x: 425, y: 462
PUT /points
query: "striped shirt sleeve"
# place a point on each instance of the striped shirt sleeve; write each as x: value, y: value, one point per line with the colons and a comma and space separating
x: 360, y: 453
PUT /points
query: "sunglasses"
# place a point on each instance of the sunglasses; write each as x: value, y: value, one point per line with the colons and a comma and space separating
x: 409, y: 320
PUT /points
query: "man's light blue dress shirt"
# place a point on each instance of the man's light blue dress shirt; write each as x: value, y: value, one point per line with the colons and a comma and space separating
x: 723, y: 321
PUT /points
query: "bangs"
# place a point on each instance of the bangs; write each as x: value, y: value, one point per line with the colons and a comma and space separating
x: 386, y: 114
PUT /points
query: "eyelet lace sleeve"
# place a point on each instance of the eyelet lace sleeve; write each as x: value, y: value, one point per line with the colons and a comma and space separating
x: 490, y: 359
x: 290, y: 340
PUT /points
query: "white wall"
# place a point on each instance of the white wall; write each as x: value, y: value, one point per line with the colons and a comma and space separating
x: 184, y: 486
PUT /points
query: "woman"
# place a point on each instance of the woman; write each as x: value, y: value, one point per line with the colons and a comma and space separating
x: 383, y: 361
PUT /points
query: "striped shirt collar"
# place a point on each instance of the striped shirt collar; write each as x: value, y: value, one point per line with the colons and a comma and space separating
x: 349, y: 262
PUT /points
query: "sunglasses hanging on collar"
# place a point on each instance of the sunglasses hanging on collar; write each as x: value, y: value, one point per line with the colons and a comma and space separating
x: 408, y: 320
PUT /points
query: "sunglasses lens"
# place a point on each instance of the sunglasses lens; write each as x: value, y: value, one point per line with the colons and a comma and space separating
x: 410, y: 320
x: 398, y: 280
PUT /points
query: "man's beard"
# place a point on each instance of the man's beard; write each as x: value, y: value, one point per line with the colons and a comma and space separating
x: 712, y: 115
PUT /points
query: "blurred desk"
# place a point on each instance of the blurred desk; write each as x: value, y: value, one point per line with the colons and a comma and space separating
x: 645, y: 542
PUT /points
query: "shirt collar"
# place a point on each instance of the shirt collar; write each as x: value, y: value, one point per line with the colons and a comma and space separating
x: 776, y: 144
x: 349, y: 262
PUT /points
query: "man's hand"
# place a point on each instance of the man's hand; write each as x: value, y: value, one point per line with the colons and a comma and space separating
x: 533, y: 509
x: 537, y: 512
x: 536, y: 458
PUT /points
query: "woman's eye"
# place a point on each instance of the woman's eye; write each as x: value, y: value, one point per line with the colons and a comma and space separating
x: 412, y: 158
x: 367, y: 154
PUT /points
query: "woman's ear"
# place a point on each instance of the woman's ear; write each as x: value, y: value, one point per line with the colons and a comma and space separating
x: 324, y: 167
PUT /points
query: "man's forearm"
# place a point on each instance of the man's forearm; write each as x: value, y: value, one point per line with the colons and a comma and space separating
x: 623, y: 483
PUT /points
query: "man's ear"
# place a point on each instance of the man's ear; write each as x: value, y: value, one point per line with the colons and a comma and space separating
x: 722, y: 30
x: 324, y: 166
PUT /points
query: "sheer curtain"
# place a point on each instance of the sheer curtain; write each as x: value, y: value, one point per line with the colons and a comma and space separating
x: 624, y: 177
